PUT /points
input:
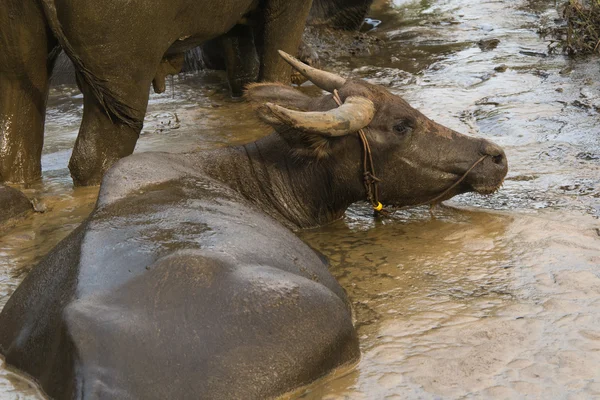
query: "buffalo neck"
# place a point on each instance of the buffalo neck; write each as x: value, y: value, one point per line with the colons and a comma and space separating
x: 300, y: 192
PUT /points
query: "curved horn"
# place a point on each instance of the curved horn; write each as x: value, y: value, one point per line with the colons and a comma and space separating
x: 323, y: 79
x: 356, y: 113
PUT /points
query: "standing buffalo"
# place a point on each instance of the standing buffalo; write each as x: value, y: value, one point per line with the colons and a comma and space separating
x: 185, y: 283
x: 233, y: 51
x: 236, y: 50
x: 117, y: 48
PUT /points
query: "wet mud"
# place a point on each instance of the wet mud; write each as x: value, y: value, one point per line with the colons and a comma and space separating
x: 484, y: 297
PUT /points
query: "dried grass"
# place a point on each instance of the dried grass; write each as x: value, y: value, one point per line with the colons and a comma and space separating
x: 582, y: 35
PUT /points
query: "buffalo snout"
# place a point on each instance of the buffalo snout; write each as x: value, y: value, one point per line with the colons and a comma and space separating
x: 495, y: 152
x: 488, y: 175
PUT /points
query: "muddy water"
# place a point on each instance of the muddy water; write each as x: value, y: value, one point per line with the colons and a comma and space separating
x: 490, y: 297
x: 469, y: 304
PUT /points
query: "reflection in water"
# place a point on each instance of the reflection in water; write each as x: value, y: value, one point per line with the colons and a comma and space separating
x: 457, y: 303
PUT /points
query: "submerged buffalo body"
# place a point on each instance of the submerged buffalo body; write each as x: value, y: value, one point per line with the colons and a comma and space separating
x: 117, y: 48
x: 185, y: 281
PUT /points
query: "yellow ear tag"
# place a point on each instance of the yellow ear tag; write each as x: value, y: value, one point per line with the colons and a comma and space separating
x: 378, y: 207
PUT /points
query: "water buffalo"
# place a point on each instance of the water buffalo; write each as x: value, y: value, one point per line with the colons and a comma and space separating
x: 236, y: 51
x: 231, y: 49
x: 185, y: 281
x: 117, y: 48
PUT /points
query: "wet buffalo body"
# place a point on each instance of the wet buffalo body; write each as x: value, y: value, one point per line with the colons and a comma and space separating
x: 117, y: 48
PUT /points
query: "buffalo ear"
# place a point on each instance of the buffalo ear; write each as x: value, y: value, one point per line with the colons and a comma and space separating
x: 258, y: 94
x: 303, y: 144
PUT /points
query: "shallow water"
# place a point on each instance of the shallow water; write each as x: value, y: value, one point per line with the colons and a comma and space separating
x: 469, y: 304
x: 492, y: 297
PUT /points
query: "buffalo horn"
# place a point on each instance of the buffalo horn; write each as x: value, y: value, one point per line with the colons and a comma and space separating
x: 356, y: 113
x: 323, y: 79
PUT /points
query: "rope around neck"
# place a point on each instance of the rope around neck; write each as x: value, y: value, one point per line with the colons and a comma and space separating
x: 371, y: 181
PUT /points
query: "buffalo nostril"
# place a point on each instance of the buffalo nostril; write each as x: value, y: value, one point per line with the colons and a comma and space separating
x: 494, y: 151
x: 499, y: 159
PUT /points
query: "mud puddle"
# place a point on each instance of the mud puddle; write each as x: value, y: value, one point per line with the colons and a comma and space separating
x: 493, y: 297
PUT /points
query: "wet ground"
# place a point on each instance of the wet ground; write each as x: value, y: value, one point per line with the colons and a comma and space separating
x: 488, y: 297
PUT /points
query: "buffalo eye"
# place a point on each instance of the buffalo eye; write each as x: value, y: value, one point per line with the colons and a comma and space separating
x: 404, y: 127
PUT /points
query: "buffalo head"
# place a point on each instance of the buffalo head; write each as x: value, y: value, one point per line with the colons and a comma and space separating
x: 415, y: 158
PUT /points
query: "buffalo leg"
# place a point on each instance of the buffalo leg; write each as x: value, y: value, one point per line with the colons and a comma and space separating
x: 241, y: 58
x: 102, y: 140
x: 283, y: 26
x: 25, y: 65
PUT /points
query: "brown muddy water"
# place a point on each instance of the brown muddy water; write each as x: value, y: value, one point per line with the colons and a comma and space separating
x: 487, y: 297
